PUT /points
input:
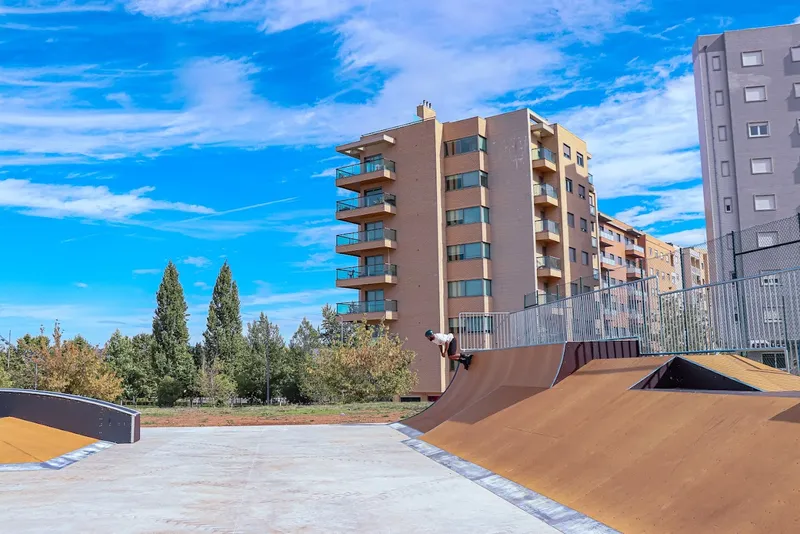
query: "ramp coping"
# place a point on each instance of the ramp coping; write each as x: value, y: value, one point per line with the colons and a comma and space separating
x: 555, y: 514
x: 59, y: 462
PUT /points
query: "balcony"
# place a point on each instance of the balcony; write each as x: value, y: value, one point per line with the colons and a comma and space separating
x: 374, y: 172
x: 634, y: 250
x: 366, y: 275
x: 606, y: 238
x: 545, y: 195
x: 548, y: 267
x: 356, y: 243
x: 696, y: 271
x: 540, y: 297
x: 547, y: 231
x: 635, y: 273
x: 607, y: 263
x: 371, y: 310
x: 369, y: 207
x: 369, y: 140
x: 541, y: 130
x: 544, y: 160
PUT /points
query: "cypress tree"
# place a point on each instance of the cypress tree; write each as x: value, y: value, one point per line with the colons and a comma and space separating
x: 223, y: 335
x: 171, y: 355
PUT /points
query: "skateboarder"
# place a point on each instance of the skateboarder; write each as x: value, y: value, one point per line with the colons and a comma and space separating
x: 448, y: 344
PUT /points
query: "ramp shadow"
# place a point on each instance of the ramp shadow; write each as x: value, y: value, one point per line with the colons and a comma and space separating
x: 792, y: 415
x: 496, y: 401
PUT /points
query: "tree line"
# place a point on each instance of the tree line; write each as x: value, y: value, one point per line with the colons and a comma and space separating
x: 337, y: 362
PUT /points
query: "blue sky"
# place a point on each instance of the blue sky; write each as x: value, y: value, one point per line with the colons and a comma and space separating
x: 132, y: 133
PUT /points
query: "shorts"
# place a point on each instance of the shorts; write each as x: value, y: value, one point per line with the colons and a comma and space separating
x: 453, y: 349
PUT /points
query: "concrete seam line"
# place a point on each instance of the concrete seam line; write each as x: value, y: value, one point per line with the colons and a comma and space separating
x: 555, y: 514
x: 407, y: 430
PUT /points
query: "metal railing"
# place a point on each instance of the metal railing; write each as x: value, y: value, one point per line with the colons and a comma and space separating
x: 366, y: 306
x: 635, y: 271
x: 540, y: 297
x: 546, y: 225
x: 548, y: 262
x: 365, y: 271
x: 366, y: 236
x: 543, y: 153
x: 365, y: 201
x: 364, y: 168
x: 546, y: 190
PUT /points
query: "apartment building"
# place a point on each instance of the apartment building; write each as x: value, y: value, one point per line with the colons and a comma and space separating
x: 747, y: 86
x: 695, y: 268
x: 463, y: 216
x: 628, y: 254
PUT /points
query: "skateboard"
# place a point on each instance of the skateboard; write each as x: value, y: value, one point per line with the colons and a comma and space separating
x: 466, y: 360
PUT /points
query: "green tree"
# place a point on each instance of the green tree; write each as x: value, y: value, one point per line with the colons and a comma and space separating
x: 223, y: 336
x: 170, y: 355
x: 372, y: 366
x: 333, y: 331
x: 25, y: 359
x: 216, y: 384
x: 130, y: 360
x: 264, y: 341
x: 5, y: 377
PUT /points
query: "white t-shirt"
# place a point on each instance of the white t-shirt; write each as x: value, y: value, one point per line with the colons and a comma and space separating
x: 441, y: 339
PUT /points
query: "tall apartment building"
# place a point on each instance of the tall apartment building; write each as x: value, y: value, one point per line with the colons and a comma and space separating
x: 628, y: 254
x: 747, y: 86
x: 464, y: 216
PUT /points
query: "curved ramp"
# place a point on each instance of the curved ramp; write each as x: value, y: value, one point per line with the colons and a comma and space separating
x: 72, y: 413
x: 531, y: 368
x: 25, y: 442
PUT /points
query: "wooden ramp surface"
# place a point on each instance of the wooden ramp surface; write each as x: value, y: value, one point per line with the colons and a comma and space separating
x: 24, y: 442
x: 655, y: 461
x: 752, y: 373
x: 534, y: 368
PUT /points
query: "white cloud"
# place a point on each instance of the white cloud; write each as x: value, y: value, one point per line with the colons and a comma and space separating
x: 685, y: 238
x: 90, y: 202
x: 327, y: 173
x: 197, y: 261
x: 796, y: 21
x: 202, y: 285
x: 123, y: 99
x: 666, y: 207
x: 147, y: 271
x: 59, y: 7
x: 81, y: 285
x: 28, y: 27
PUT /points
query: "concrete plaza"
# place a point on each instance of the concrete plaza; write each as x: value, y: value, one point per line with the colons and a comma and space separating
x: 358, y: 478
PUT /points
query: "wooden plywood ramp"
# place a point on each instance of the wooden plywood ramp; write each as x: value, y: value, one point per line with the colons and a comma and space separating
x: 640, y: 460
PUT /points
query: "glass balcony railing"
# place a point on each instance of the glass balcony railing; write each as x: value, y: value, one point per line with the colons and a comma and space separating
x: 540, y: 297
x: 364, y: 168
x: 366, y: 306
x: 365, y: 202
x: 608, y: 235
x: 364, y: 271
x: 365, y: 236
x: 548, y: 262
x: 607, y: 261
x: 630, y: 247
x: 545, y: 225
x: 543, y: 153
x: 546, y: 190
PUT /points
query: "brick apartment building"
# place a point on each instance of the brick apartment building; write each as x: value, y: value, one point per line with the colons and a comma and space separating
x: 462, y: 216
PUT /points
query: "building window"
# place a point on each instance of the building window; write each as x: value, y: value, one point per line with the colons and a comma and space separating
x: 795, y: 53
x: 728, y: 204
x: 579, y: 158
x: 772, y: 314
x: 725, y: 168
x: 752, y: 59
x: 584, y: 225
x: 469, y: 288
x: 719, y: 98
x: 569, y: 185
x: 722, y: 133
x: 593, y: 227
x: 567, y: 151
x: 758, y: 129
x: 466, y: 179
x: 571, y: 220
x: 468, y: 251
x: 471, y: 215
x: 761, y: 165
x: 619, y: 237
x: 764, y: 202
x: 464, y: 145
x: 573, y: 287
x: 581, y: 191
x: 716, y: 63
x: 756, y: 93
x: 572, y: 257
x: 767, y: 239
x: 797, y: 90
x: 584, y: 258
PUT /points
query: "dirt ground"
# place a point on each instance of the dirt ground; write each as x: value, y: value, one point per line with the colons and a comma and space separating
x: 279, y: 415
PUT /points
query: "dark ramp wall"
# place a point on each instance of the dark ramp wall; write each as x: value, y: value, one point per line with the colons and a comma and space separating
x: 89, y: 417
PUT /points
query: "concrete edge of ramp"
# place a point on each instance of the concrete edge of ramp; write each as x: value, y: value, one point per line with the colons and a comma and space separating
x: 555, y: 514
x: 59, y: 462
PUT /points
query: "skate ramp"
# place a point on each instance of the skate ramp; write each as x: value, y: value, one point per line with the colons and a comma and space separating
x: 755, y: 374
x: 651, y: 460
x: 25, y: 442
x: 529, y: 369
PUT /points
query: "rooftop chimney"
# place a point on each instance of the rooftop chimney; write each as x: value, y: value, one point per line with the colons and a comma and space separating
x: 425, y: 110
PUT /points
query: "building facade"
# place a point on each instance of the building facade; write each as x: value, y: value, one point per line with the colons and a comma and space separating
x: 747, y: 87
x: 463, y: 216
